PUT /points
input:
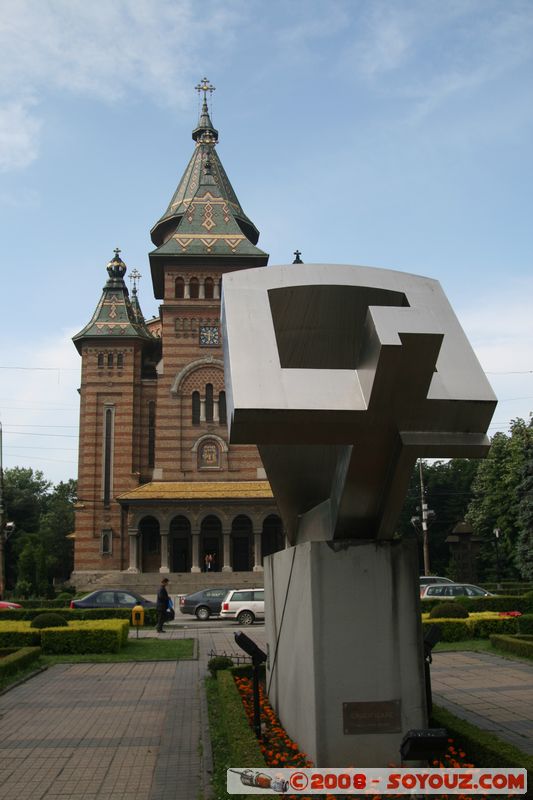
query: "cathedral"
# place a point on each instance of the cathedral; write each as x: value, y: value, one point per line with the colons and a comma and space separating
x: 160, y: 488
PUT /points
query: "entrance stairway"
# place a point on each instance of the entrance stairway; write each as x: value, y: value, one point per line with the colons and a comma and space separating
x: 147, y: 583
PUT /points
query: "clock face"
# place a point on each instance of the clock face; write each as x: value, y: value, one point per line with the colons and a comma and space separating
x: 209, y: 336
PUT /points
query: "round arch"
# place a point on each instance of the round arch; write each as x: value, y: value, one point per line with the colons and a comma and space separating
x: 207, y: 361
x: 242, y: 536
x: 272, y: 538
x: 180, y: 544
x: 211, y: 543
x: 150, y: 543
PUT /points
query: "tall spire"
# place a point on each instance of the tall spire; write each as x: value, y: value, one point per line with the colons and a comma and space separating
x: 204, y: 216
x: 205, y: 130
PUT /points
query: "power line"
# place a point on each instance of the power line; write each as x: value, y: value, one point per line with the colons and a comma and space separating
x: 58, y: 435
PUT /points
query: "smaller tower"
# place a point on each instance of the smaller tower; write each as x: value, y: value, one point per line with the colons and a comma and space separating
x: 117, y: 350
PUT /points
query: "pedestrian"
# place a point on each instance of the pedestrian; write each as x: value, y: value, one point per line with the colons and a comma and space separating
x: 162, y: 605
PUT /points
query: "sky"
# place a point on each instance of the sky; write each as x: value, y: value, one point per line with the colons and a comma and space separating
x: 387, y: 133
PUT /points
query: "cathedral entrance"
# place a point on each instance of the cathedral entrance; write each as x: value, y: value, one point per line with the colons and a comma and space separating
x: 272, y: 538
x: 180, y: 544
x: 241, y: 538
x: 211, y: 544
x: 150, y: 544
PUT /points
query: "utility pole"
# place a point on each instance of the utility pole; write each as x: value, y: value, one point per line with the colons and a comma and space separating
x: 424, y: 520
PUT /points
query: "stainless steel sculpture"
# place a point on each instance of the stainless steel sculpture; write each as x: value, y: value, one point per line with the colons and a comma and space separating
x: 343, y: 376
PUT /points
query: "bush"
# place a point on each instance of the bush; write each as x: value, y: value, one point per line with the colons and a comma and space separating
x: 521, y: 603
x: 64, y: 597
x: 485, y: 749
x: 85, y: 637
x: 217, y: 663
x: 18, y: 634
x: 525, y: 623
x: 513, y: 644
x: 14, y: 659
x: 483, y: 628
x: 49, y: 620
x: 450, y: 610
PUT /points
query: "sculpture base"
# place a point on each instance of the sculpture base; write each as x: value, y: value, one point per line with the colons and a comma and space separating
x: 347, y: 678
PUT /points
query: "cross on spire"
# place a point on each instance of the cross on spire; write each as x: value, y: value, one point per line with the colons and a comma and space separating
x: 297, y: 260
x: 135, y: 276
x: 205, y: 87
x: 117, y: 251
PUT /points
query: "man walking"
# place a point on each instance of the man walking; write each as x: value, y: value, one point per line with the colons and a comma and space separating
x: 162, y: 605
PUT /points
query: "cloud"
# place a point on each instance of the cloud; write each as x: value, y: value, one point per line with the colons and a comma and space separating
x: 19, y: 135
x: 102, y: 50
x: 427, y: 52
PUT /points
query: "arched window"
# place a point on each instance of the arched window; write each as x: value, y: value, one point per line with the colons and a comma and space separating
x: 179, y: 288
x: 151, y: 434
x: 196, y: 408
x: 209, y: 288
x: 100, y: 360
x: 108, y: 453
x: 110, y: 360
x: 209, y: 402
x: 222, y: 413
x: 120, y: 360
x: 194, y: 288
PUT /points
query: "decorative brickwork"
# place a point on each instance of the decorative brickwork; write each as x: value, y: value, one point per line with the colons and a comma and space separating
x: 152, y: 405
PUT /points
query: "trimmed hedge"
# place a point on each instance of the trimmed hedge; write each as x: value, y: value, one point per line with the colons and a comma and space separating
x: 105, y: 636
x: 88, y: 637
x: 77, y: 613
x: 483, y: 748
x: 233, y: 741
x: 525, y: 624
x: 457, y: 630
x: 14, y: 659
x: 517, y: 645
x: 499, y: 603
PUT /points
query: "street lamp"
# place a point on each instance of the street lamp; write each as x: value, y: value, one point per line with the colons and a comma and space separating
x: 496, y: 533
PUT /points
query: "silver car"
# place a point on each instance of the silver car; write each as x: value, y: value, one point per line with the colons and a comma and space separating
x: 445, y: 590
x: 244, y: 605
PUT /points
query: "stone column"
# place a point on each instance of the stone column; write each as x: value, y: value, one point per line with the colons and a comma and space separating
x: 226, y: 554
x: 186, y: 291
x: 257, y: 567
x: 216, y: 290
x: 215, y: 410
x: 195, y: 551
x: 164, y: 552
x: 133, y: 535
x: 202, y: 409
x: 201, y: 290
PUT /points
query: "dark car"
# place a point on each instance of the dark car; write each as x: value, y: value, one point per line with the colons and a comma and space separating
x: 111, y: 598
x: 203, y: 604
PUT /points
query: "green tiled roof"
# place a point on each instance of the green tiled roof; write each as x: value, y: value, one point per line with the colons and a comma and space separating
x: 115, y: 315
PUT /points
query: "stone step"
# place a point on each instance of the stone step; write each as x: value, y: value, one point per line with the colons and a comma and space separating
x: 147, y: 583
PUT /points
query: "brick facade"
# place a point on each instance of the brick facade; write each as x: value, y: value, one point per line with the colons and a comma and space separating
x: 152, y: 411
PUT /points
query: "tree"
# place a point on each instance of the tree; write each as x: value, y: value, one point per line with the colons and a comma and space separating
x: 524, y: 542
x: 448, y: 491
x: 38, y: 552
x: 496, y: 498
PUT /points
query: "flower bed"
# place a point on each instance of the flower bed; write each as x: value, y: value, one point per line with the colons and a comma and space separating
x: 279, y: 750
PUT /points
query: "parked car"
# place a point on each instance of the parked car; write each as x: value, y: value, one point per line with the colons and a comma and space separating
x: 204, y: 604
x: 426, y: 579
x: 244, y: 605
x: 4, y: 604
x: 434, y: 590
x: 111, y: 598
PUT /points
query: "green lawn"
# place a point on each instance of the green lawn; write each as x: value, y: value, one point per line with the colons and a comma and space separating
x: 134, y: 650
x: 479, y: 645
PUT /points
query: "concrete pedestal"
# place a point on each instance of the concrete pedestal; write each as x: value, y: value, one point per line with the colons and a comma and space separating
x: 345, y: 670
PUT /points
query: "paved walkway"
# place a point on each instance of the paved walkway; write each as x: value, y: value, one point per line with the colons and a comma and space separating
x: 138, y: 731
x: 492, y: 692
